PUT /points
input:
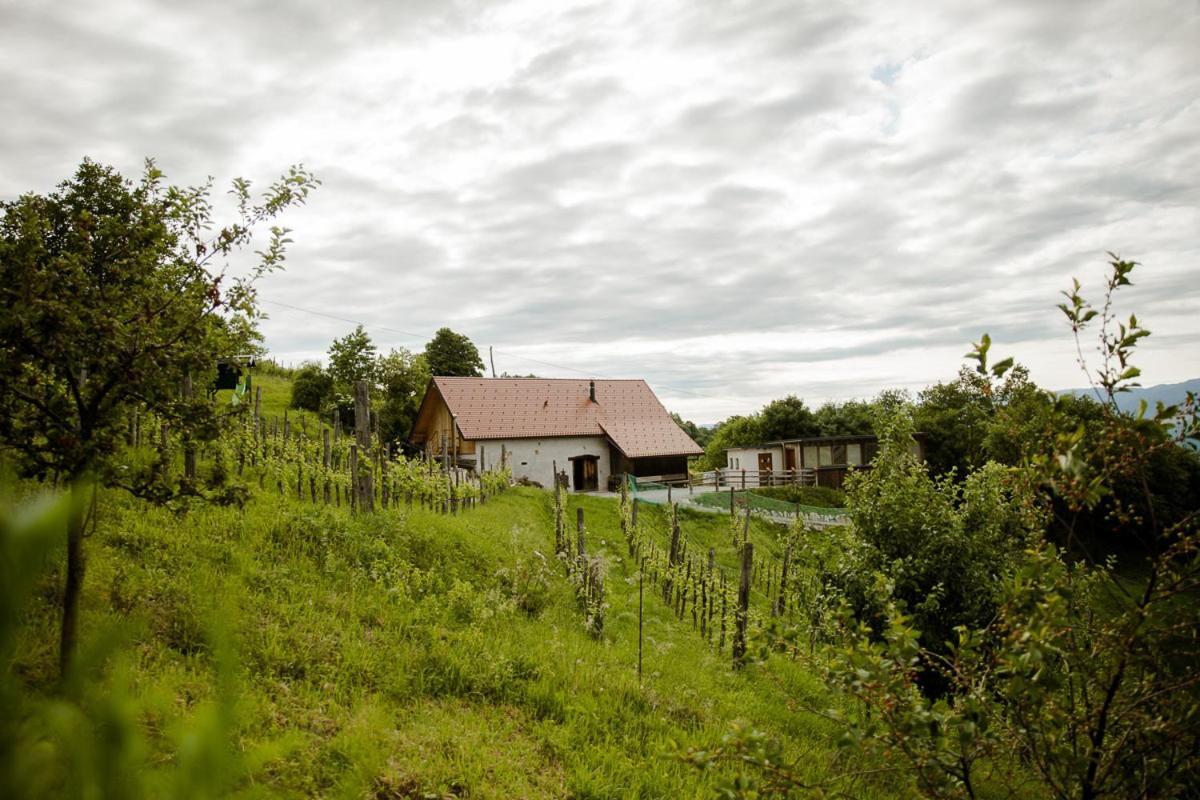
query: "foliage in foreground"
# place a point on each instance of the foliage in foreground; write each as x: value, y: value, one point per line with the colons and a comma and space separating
x: 114, y: 299
x: 1065, y: 677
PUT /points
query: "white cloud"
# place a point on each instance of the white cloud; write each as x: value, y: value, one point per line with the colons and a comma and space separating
x: 735, y: 201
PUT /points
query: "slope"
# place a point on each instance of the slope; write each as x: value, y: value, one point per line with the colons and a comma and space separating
x: 406, y: 654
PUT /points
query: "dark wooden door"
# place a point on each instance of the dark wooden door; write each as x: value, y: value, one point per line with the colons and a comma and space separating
x: 789, y: 458
x: 764, y: 469
x: 587, y: 474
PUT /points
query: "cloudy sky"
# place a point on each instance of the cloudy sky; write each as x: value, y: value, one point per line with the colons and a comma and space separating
x: 735, y: 201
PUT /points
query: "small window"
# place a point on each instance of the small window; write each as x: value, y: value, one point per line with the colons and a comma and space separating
x: 810, y: 456
x: 825, y: 455
x: 854, y: 455
x: 839, y: 454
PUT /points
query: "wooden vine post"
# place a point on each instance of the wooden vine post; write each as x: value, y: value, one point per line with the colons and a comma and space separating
x: 325, y: 461
x: 672, y: 555
x: 743, y: 607
x: 641, y: 576
x: 353, y: 477
x: 364, y: 486
x: 189, y: 448
x: 580, y: 533
x: 624, y: 495
x: 781, y: 601
x: 595, y: 595
x: 560, y: 536
x: 581, y: 552
x: 633, y: 521
x: 724, y: 604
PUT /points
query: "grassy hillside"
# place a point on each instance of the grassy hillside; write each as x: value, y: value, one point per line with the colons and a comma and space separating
x: 293, y: 649
x: 406, y: 654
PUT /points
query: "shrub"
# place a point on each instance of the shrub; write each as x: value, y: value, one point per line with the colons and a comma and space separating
x: 944, y: 547
x: 311, y: 388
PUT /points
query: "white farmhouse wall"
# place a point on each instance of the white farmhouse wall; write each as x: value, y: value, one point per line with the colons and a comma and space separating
x: 535, y: 458
x: 746, y: 458
x: 742, y: 458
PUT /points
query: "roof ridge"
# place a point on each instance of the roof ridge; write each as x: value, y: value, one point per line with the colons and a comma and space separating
x: 528, y: 378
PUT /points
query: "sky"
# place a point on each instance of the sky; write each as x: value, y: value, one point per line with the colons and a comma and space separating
x: 735, y: 201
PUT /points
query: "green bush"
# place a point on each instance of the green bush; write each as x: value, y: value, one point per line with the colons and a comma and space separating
x: 944, y: 548
x: 311, y: 388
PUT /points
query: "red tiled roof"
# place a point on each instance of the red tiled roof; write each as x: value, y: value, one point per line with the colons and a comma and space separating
x: 524, y: 408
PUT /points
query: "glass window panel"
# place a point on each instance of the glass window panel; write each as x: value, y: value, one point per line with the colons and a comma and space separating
x: 854, y: 455
x: 825, y: 455
x: 839, y: 454
x: 810, y: 455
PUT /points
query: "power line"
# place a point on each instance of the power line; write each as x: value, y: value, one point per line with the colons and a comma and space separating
x: 498, y: 352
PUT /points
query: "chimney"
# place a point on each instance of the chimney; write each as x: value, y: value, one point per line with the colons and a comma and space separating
x: 592, y: 391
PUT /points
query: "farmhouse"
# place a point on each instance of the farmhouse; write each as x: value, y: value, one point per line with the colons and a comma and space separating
x: 594, y: 430
x: 818, y: 460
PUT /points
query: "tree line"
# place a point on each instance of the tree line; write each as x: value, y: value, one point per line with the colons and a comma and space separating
x: 397, y: 380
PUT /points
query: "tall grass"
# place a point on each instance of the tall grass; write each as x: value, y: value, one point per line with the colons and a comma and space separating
x: 299, y: 650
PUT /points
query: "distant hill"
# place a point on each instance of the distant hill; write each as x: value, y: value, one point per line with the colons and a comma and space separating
x: 1168, y: 393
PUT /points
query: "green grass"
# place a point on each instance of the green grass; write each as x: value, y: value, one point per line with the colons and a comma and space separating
x: 758, y: 501
x: 816, y: 496
x: 276, y: 398
x: 383, y: 656
x: 404, y: 654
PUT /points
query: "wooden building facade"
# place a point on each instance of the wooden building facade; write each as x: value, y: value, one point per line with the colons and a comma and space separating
x: 831, y: 458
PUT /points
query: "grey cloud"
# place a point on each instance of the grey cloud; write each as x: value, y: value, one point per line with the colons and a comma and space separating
x: 781, y: 27
x: 623, y: 176
x: 593, y: 164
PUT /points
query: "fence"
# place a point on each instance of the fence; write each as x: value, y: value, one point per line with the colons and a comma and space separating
x: 754, y: 478
x: 726, y: 477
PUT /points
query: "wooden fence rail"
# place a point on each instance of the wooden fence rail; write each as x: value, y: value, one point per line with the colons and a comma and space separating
x: 737, y: 478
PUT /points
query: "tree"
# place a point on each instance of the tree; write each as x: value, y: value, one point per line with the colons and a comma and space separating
x: 699, y: 435
x: 733, y: 432
x: 965, y: 418
x: 352, y: 358
x: 453, y: 354
x: 788, y: 418
x: 312, y: 388
x: 955, y: 415
x: 850, y: 418
x: 113, y: 295
x: 402, y: 377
